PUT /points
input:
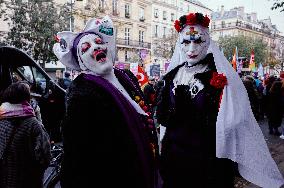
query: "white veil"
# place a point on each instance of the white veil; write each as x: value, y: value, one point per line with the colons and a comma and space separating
x: 238, y: 136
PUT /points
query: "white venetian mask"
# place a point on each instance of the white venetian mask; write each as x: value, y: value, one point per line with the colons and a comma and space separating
x: 94, y: 55
x: 195, y: 42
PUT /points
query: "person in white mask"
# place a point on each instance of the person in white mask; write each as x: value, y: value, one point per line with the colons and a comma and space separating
x: 107, y: 128
x: 211, y: 134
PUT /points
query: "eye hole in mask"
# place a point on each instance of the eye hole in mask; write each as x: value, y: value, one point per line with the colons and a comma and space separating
x: 197, y: 41
x: 85, y: 47
x: 186, y: 42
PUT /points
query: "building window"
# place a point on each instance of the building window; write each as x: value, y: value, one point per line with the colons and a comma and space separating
x: 141, y: 37
x: 172, y: 16
x: 156, y: 13
x: 223, y: 24
x: 164, y: 15
x: 114, y: 7
x: 213, y: 25
x: 126, y: 55
x: 141, y: 14
x: 127, y: 35
x: 164, y: 32
x: 187, y: 8
x: 127, y: 10
x: 101, y: 5
x: 156, y: 30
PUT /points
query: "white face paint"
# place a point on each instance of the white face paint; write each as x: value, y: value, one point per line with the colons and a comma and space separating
x: 94, y: 55
x: 195, y: 42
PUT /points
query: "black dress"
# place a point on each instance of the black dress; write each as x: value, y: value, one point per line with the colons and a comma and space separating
x: 188, y: 156
x: 106, y: 142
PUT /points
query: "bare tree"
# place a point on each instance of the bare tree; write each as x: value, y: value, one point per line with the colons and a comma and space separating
x: 164, y: 47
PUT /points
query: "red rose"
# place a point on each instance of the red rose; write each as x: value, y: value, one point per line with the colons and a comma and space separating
x: 177, y: 26
x: 191, y: 19
x: 218, y: 80
x: 206, y: 21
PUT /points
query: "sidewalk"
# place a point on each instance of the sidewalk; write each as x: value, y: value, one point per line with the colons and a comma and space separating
x: 276, y: 147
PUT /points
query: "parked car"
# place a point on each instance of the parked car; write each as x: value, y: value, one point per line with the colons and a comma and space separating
x: 16, y: 65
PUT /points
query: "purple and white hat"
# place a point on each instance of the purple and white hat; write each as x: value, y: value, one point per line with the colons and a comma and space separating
x: 66, y: 48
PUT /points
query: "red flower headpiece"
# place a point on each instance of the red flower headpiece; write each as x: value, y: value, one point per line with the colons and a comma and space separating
x: 191, y: 19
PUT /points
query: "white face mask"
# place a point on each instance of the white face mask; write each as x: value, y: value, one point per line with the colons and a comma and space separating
x: 195, y: 42
x: 94, y: 55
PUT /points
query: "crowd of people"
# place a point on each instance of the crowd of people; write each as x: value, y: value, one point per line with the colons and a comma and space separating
x: 267, y: 100
x: 111, y: 125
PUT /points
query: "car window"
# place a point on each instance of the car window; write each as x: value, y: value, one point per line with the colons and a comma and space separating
x: 40, y: 81
x: 27, y: 73
x: 16, y: 77
x: 34, y: 77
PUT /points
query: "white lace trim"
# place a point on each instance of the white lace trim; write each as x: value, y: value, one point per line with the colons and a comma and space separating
x: 185, y: 76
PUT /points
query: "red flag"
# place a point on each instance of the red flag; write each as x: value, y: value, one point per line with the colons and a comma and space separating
x: 234, y: 60
x: 252, y: 62
x: 142, y: 77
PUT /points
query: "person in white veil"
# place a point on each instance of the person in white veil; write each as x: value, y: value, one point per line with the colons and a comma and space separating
x: 210, y: 128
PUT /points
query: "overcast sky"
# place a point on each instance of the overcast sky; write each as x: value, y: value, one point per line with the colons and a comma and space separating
x: 261, y: 7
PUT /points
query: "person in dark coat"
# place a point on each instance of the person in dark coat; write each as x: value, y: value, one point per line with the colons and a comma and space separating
x: 266, y: 97
x: 275, y: 107
x: 253, y: 95
x: 108, y: 134
x: 149, y: 92
x: 66, y: 80
x: 24, y: 143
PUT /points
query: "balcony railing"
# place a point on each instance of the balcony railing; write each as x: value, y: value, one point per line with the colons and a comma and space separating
x: 133, y: 43
x: 240, y: 25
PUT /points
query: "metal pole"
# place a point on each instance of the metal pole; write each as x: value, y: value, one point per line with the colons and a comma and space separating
x: 71, y: 14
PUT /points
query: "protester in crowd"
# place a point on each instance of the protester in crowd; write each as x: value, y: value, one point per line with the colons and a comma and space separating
x: 209, y: 123
x: 149, y: 92
x: 275, y: 108
x: 254, y: 96
x: 103, y: 115
x: 267, y: 85
x: 24, y: 144
x: 66, y: 81
x: 36, y: 108
x: 282, y: 103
